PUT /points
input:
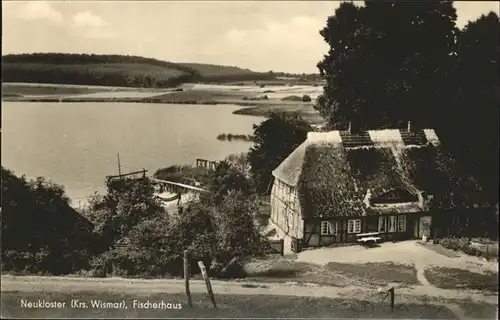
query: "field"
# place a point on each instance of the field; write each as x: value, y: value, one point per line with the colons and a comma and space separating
x: 446, y: 278
x: 31, y: 89
x: 208, y: 71
x: 115, y: 70
x: 109, y: 74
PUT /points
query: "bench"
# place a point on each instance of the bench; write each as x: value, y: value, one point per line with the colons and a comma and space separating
x: 368, y: 239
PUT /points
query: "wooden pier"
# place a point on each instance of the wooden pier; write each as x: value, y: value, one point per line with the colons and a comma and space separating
x: 176, y: 187
x: 135, y: 173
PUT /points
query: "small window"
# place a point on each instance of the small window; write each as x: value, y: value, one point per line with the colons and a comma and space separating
x: 325, y: 228
x: 392, y: 224
x: 382, y: 224
x: 329, y: 228
x: 354, y: 226
x: 401, y: 223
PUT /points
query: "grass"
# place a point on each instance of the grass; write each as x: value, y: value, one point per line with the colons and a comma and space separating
x: 440, y: 249
x: 453, y: 278
x: 198, y: 95
x: 20, y: 89
x: 376, y: 273
x: 305, y: 110
x: 286, y: 269
x: 209, y: 71
x: 479, y: 310
x: 184, y: 174
x: 229, y: 306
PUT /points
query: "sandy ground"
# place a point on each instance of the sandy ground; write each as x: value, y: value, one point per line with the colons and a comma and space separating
x: 405, y: 252
x: 409, y: 253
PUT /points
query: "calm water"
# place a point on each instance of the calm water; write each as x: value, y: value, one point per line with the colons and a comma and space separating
x: 76, y: 144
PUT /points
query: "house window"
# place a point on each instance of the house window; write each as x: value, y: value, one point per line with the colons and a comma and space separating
x: 382, y: 224
x: 392, y: 224
x: 329, y: 228
x: 401, y: 223
x: 354, y: 226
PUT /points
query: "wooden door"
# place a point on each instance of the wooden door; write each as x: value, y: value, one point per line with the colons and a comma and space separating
x: 416, y: 223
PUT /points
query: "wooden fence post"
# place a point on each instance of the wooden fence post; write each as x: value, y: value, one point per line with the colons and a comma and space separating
x: 391, y: 290
x: 186, y: 277
x: 207, y: 282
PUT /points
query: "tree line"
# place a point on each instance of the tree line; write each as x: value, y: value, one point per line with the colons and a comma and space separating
x: 391, y: 62
x: 109, y: 70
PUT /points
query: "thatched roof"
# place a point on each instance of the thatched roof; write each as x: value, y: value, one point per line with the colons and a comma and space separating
x: 339, y: 173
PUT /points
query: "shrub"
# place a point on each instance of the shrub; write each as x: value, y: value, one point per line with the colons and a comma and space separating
x: 55, y: 240
x: 463, y: 245
x: 292, y: 98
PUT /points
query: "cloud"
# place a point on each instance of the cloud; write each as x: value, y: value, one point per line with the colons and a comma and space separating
x: 99, y: 34
x: 88, y: 19
x: 92, y: 26
x: 40, y: 10
x: 297, y: 31
x: 293, y: 44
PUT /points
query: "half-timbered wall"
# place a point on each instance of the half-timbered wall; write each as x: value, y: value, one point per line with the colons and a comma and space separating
x: 285, y: 209
x: 324, y: 232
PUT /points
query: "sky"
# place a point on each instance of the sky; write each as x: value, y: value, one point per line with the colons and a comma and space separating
x: 258, y: 35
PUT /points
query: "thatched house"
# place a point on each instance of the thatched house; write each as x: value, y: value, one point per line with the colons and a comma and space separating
x: 399, y: 183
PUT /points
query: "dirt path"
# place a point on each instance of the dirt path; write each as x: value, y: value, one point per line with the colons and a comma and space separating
x: 62, y: 284
x: 410, y: 253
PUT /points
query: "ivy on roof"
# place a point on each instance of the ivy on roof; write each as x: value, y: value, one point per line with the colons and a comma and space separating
x: 375, y: 169
x: 326, y: 187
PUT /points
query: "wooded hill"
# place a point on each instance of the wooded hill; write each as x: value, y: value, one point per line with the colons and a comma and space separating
x: 115, y: 70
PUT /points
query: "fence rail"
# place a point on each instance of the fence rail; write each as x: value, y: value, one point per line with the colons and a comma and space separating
x: 143, y: 171
x: 209, y: 164
x: 277, y: 246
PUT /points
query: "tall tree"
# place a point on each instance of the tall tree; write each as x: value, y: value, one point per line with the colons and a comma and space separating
x: 275, y: 139
x: 388, y: 62
x: 474, y: 126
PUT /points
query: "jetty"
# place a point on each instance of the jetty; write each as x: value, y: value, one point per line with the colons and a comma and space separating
x: 176, y: 187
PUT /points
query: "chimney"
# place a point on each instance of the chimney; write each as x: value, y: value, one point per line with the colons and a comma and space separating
x: 409, y: 126
x: 349, y: 129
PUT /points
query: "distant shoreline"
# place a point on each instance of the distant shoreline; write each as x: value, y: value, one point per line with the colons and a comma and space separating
x: 53, y: 93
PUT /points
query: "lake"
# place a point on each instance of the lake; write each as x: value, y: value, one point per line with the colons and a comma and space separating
x: 76, y: 144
